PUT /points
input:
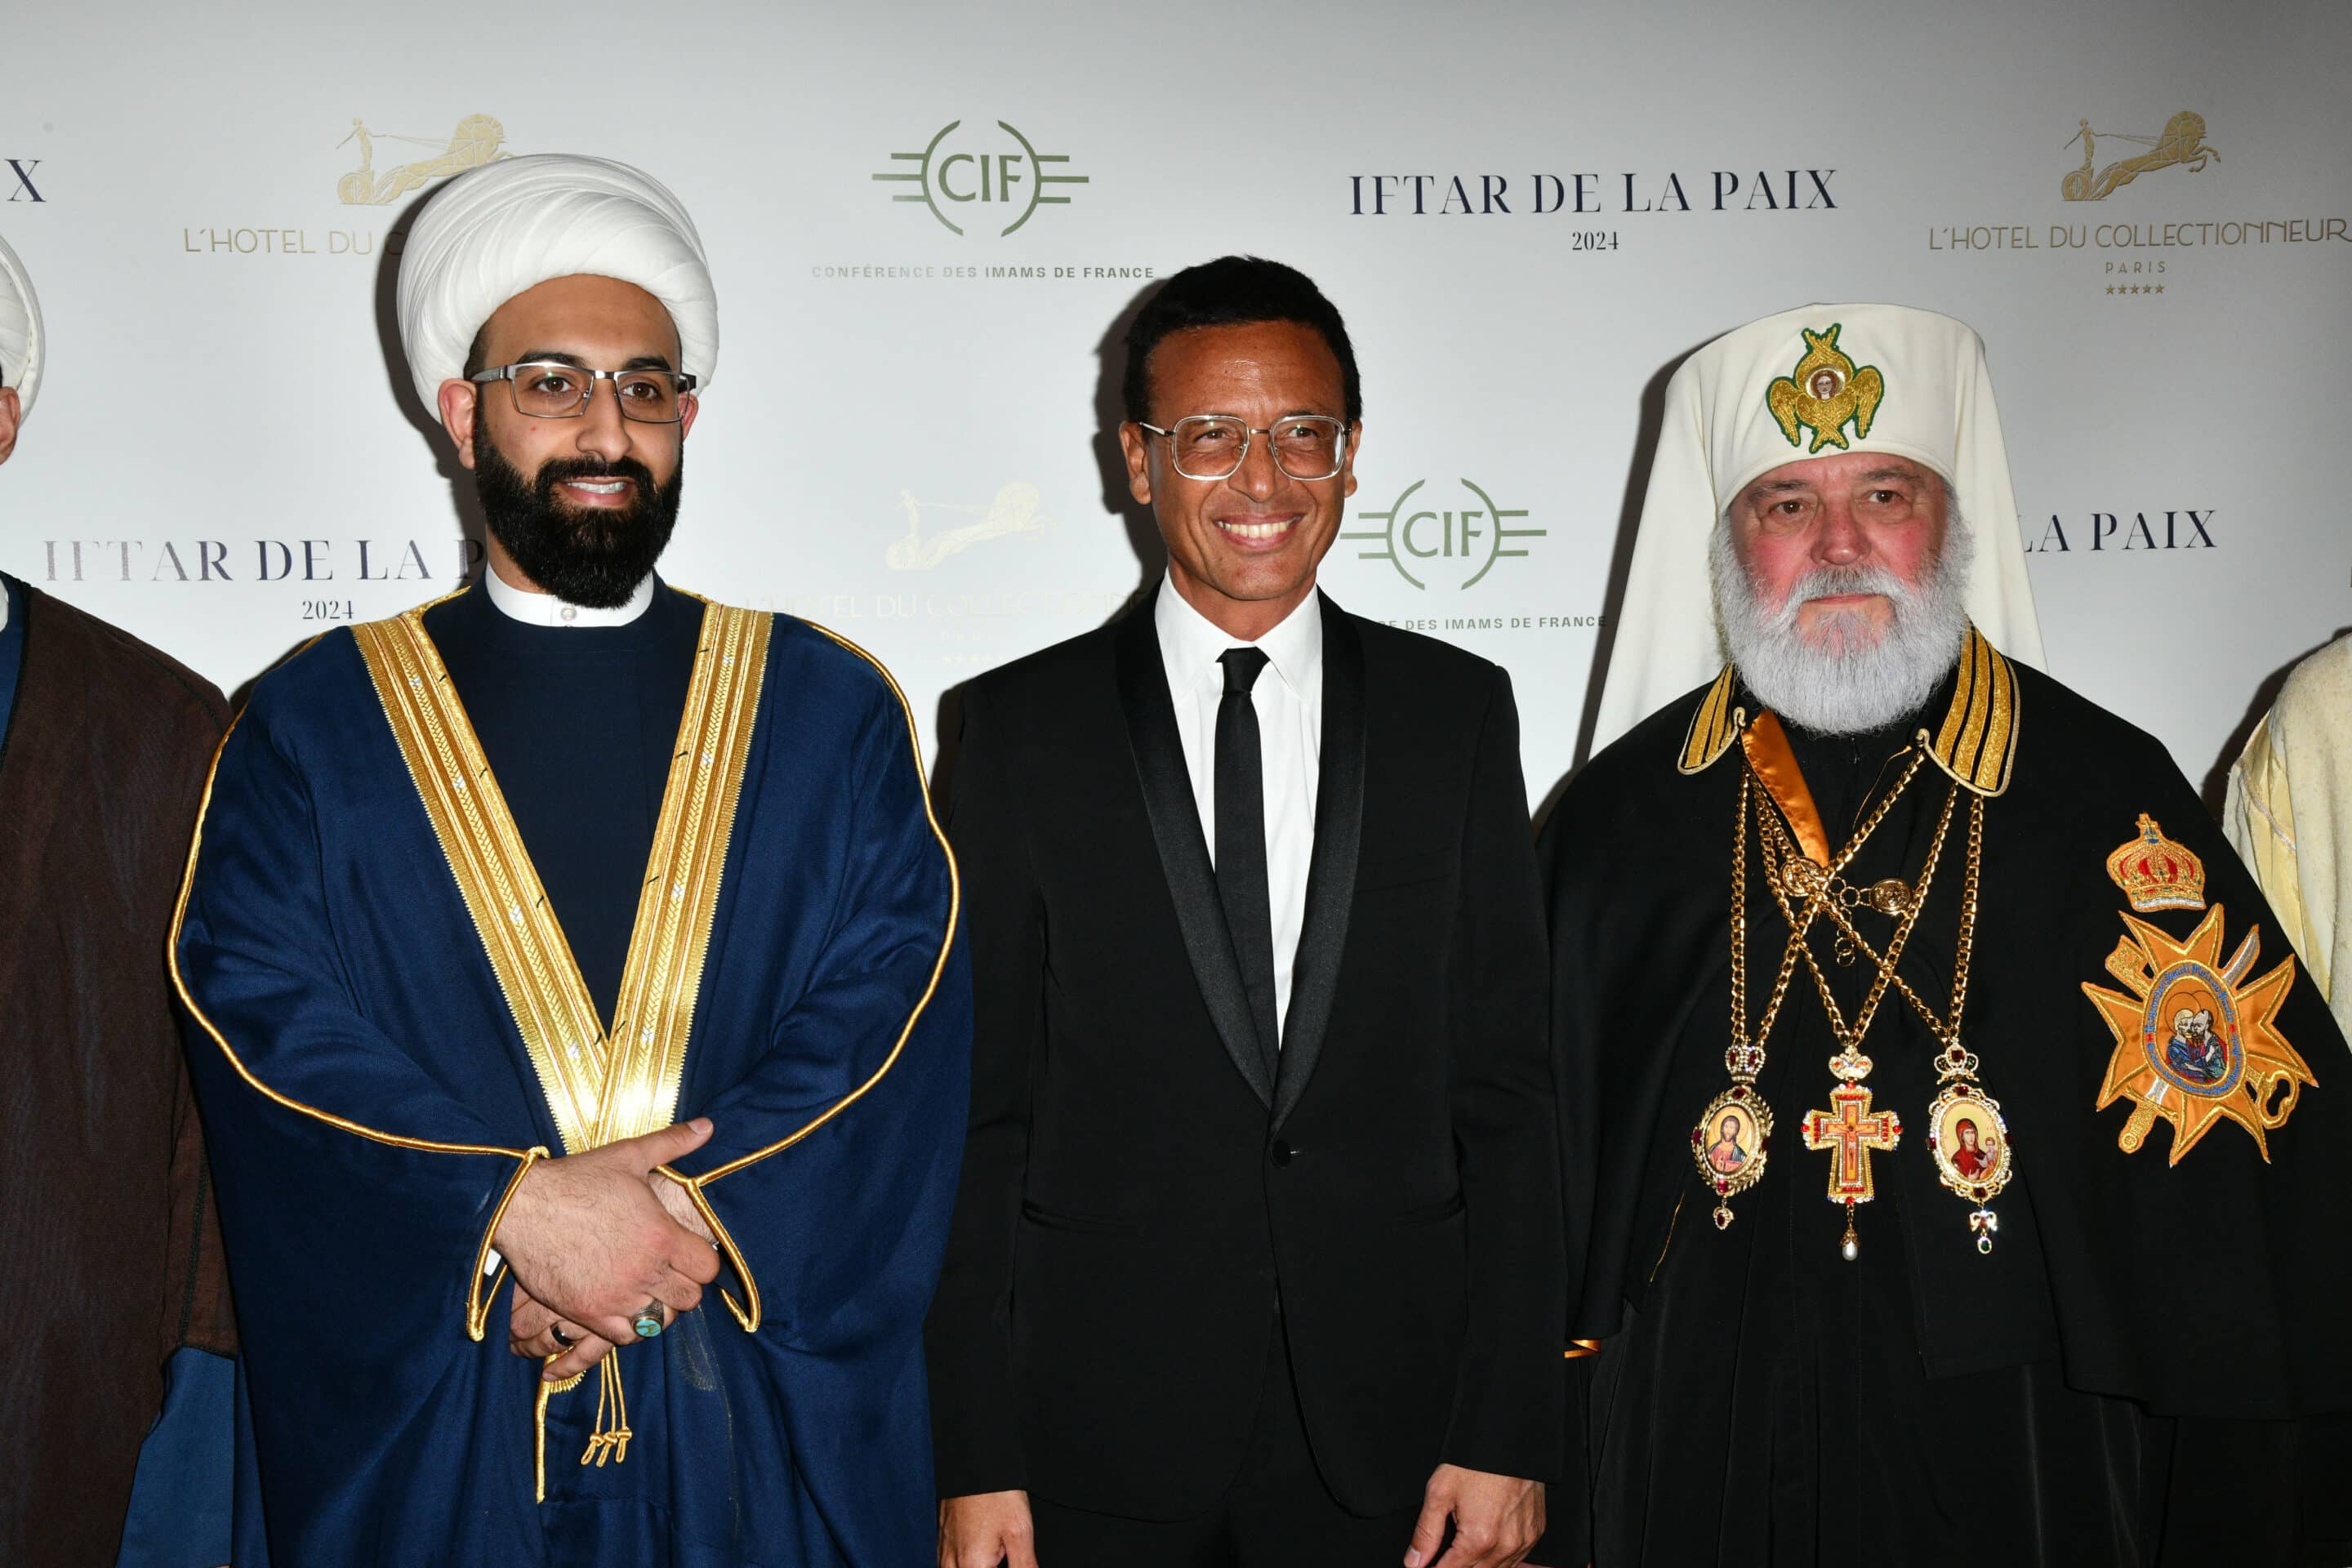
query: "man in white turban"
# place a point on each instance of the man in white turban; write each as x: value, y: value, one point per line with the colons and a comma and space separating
x: 577, y: 997
x: 1855, y: 871
x: 101, y: 1160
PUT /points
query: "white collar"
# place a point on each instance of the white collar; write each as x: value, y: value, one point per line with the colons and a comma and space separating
x: 547, y: 610
x: 1190, y: 642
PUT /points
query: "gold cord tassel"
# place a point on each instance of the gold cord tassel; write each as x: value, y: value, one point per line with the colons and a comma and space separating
x: 611, y: 1437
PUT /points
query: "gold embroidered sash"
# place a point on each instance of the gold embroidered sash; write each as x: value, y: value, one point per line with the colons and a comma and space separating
x: 601, y: 1085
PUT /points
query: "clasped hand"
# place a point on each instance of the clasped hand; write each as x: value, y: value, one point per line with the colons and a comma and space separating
x: 592, y: 1239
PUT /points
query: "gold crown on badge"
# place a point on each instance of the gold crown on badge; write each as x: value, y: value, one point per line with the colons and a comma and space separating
x: 2155, y: 873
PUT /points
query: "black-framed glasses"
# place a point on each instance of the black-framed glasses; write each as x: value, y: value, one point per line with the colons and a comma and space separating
x: 1212, y: 445
x: 550, y: 389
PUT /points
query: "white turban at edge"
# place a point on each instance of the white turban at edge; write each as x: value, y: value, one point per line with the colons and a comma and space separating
x: 1720, y: 434
x: 493, y: 232
x: 23, y: 348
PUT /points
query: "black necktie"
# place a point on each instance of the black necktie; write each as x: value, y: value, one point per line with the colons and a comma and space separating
x: 1240, y: 839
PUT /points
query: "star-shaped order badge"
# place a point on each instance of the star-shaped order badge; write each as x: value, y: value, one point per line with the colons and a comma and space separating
x: 2196, y: 1041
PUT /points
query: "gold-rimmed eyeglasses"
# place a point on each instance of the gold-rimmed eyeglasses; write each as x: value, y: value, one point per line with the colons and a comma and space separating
x: 550, y: 389
x: 1212, y: 445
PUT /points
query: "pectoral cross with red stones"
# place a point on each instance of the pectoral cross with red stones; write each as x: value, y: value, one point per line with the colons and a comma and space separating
x: 1852, y: 1132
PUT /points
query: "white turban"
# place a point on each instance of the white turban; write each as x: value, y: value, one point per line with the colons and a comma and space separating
x: 23, y: 348
x: 1884, y: 378
x: 493, y: 232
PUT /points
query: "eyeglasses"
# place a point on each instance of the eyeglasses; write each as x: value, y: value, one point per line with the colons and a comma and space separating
x: 1212, y: 445
x: 549, y: 389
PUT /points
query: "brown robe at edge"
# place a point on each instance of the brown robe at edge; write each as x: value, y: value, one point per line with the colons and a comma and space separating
x: 114, y: 1249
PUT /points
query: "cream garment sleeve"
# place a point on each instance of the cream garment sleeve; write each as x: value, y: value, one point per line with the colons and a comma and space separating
x: 2289, y: 816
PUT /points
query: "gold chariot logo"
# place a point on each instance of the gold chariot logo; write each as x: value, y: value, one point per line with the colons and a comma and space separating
x: 2182, y: 143
x: 1017, y: 510
x: 477, y: 140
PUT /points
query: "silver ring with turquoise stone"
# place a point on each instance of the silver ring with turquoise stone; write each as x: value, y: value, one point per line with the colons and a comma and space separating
x: 648, y: 1322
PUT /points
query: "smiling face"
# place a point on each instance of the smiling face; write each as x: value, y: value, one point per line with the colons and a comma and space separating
x: 575, y: 504
x: 1836, y: 519
x: 1242, y: 550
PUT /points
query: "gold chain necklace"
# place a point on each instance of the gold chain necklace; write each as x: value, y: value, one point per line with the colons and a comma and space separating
x: 1967, y: 1138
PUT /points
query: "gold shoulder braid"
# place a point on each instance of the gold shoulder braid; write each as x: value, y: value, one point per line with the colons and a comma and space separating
x: 1967, y: 1138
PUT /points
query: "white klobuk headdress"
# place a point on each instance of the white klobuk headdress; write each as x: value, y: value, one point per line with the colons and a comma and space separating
x: 1861, y: 378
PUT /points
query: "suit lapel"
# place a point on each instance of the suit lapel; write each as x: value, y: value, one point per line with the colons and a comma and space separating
x: 1331, y: 869
x: 1183, y: 851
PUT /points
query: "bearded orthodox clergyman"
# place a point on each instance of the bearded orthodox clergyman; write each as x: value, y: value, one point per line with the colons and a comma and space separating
x: 1872, y: 876
x: 573, y: 967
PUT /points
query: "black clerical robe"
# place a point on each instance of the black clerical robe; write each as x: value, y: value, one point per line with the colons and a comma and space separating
x: 103, y: 1194
x: 2126, y: 1375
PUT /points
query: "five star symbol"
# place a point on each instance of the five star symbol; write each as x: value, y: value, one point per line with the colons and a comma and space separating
x: 2135, y: 287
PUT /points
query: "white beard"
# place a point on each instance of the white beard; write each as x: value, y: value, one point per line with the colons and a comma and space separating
x: 1848, y: 676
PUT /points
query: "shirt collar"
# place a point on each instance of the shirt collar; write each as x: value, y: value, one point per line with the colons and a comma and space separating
x: 547, y: 610
x: 1191, y: 643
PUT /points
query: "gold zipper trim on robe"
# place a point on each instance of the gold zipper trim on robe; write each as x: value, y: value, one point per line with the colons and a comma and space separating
x: 600, y: 1086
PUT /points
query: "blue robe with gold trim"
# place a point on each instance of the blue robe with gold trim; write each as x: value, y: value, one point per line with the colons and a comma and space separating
x: 370, y: 1102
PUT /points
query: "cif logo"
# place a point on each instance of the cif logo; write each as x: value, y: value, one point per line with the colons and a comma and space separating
x: 980, y: 178
x: 1423, y: 537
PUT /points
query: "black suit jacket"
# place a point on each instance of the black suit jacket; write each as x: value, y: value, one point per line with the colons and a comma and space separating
x: 1149, y: 1190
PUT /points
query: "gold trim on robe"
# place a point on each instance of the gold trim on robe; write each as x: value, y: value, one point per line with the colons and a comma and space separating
x: 477, y: 1295
x: 749, y: 1313
x: 1976, y: 743
x: 601, y: 1085
x: 1712, y: 727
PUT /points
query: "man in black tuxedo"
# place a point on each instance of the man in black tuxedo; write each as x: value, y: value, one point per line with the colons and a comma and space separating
x: 1255, y: 1256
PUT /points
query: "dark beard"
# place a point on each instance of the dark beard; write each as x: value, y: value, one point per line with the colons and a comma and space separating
x: 592, y: 558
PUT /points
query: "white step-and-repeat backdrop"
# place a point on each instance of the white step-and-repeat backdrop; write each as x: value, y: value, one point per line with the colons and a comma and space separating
x: 926, y: 223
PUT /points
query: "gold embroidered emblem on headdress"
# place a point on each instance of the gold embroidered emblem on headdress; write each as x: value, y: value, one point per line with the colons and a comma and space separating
x: 2155, y: 873
x: 2195, y: 1040
x: 1824, y: 391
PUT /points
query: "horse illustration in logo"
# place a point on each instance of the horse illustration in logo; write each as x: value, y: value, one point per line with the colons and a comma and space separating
x: 2183, y: 142
x: 1018, y: 509
x: 475, y: 142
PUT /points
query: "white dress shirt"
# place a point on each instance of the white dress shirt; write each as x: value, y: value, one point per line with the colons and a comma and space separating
x: 547, y: 610
x: 1288, y: 698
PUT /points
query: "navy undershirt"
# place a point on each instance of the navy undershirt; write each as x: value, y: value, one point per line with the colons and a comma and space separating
x: 579, y: 724
x: 12, y: 648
